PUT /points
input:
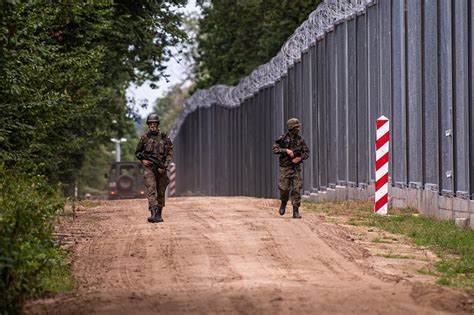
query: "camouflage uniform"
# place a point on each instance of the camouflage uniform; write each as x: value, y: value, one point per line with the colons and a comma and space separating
x: 290, y: 173
x: 159, y: 145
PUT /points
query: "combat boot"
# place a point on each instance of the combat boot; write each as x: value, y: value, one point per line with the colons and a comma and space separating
x: 296, y: 213
x: 282, y: 207
x: 151, y: 218
x: 157, y: 217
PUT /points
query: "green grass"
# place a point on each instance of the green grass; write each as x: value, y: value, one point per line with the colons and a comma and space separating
x: 59, y: 278
x: 453, y: 245
x: 384, y: 240
x: 392, y: 255
x: 89, y: 203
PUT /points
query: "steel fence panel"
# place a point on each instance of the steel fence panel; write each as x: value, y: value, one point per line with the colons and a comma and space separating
x: 232, y: 152
x: 224, y: 152
x: 446, y: 96
x: 461, y: 130
x: 260, y: 167
x: 415, y: 104
x: 240, y: 149
x: 266, y: 153
x: 342, y: 77
x: 331, y: 109
x: 227, y: 148
x: 362, y: 110
x: 352, y: 102
x: 315, y: 75
x: 399, y: 147
x: 245, y: 147
x: 298, y: 111
x: 194, y: 125
x: 471, y: 100
x: 213, y: 149
x: 199, y: 154
x: 373, y: 97
x: 285, y: 99
x: 276, y: 123
x: 216, y: 148
x: 386, y: 75
x: 256, y: 143
x: 188, y: 147
x: 306, y: 118
x: 430, y: 96
x: 251, y: 143
x: 386, y: 70
x: 291, y: 91
x: 261, y: 143
x: 208, y: 150
x: 322, y: 114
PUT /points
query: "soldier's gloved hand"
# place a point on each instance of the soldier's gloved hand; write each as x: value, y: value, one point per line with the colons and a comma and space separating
x: 146, y: 162
x: 161, y: 171
x: 290, y: 153
x: 296, y: 160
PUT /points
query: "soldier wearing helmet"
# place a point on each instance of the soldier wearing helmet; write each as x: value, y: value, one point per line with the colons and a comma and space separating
x: 155, y: 151
x: 292, y: 150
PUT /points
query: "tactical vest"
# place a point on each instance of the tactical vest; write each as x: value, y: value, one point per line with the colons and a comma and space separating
x: 155, y: 145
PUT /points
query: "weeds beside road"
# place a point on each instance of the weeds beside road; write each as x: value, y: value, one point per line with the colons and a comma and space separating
x: 454, y: 246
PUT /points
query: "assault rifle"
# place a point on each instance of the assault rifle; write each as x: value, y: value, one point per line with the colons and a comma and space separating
x: 298, y: 153
x: 157, y: 163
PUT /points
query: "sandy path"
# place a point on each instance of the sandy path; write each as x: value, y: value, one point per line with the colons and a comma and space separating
x: 237, y: 255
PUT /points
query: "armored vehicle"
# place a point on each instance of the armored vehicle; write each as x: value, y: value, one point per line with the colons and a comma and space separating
x: 126, y: 180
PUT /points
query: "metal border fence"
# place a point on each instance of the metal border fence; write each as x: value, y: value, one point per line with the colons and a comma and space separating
x: 349, y: 63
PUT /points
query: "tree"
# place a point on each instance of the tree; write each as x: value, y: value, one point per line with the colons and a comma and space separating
x: 64, y: 68
x: 169, y: 106
x: 235, y: 37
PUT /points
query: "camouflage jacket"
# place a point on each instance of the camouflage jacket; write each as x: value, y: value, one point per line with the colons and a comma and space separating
x: 157, y: 144
x: 295, y: 144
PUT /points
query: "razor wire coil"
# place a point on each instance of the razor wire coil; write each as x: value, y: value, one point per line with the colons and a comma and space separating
x: 321, y: 20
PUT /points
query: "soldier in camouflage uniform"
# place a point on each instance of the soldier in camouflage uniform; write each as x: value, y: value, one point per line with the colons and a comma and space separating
x: 155, y: 151
x: 292, y: 150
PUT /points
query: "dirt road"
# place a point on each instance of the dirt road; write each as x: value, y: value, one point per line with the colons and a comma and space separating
x: 237, y: 255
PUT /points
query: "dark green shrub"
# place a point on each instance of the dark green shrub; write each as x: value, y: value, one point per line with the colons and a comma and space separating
x: 28, y: 207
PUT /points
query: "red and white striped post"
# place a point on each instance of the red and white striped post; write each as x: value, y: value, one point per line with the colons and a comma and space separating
x: 172, y: 187
x: 381, y: 165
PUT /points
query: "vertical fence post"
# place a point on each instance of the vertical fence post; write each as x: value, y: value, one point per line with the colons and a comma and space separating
x: 381, y: 165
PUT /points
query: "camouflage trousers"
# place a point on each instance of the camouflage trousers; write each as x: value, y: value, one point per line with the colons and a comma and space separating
x: 290, y: 182
x: 155, y: 185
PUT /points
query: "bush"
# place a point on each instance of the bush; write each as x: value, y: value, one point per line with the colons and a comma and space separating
x: 28, y: 255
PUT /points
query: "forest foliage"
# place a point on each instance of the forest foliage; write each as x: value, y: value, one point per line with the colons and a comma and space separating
x: 235, y: 37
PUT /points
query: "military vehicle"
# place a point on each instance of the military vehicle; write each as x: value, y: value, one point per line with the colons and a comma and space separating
x: 125, y: 180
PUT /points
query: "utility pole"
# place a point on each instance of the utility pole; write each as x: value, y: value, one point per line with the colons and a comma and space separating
x: 118, y: 150
x: 117, y: 141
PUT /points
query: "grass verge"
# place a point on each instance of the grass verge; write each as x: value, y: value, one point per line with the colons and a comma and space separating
x: 454, y: 246
x: 59, y: 278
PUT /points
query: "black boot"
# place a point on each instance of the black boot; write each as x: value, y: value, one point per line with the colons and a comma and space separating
x: 158, y: 217
x: 151, y: 218
x: 282, y: 207
x: 296, y: 213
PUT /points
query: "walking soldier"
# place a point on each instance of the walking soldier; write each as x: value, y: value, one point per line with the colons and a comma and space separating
x: 292, y: 150
x: 155, y: 150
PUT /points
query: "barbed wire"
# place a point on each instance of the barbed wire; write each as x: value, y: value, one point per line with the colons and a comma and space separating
x: 320, y: 21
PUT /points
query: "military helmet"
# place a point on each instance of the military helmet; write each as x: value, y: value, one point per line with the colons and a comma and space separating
x: 293, y: 123
x: 152, y: 118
